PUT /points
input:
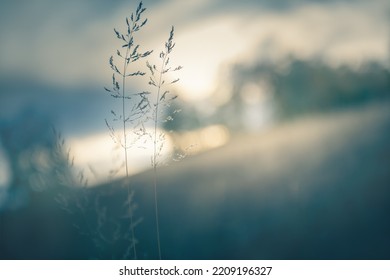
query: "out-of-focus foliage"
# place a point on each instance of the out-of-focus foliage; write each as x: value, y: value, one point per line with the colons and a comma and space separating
x: 35, y: 161
x: 289, y: 90
x: 300, y: 87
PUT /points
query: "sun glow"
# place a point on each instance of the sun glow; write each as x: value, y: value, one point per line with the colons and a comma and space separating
x: 203, y: 56
x: 97, y: 155
x: 201, y: 140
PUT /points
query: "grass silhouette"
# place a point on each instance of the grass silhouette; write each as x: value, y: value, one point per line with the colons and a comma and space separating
x: 163, y: 98
x: 129, y: 117
x: 139, y: 108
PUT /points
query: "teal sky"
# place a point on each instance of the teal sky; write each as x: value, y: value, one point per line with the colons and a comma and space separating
x: 67, y: 43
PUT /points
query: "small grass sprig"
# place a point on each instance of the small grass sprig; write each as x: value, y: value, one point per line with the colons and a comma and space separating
x: 134, y: 106
x: 163, y: 98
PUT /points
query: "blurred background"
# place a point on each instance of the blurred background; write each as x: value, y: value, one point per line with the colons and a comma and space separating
x: 283, y: 131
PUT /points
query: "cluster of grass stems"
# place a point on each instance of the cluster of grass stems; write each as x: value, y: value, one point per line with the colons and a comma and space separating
x: 140, y: 108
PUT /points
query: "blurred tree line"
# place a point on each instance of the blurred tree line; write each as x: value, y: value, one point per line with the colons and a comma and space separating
x: 313, y: 86
x: 289, y: 89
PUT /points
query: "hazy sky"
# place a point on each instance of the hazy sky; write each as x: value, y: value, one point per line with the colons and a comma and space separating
x: 67, y: 43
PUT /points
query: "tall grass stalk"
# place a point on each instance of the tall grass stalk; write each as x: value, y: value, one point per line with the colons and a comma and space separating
x: 157, y: 80
x: 130, y: 116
